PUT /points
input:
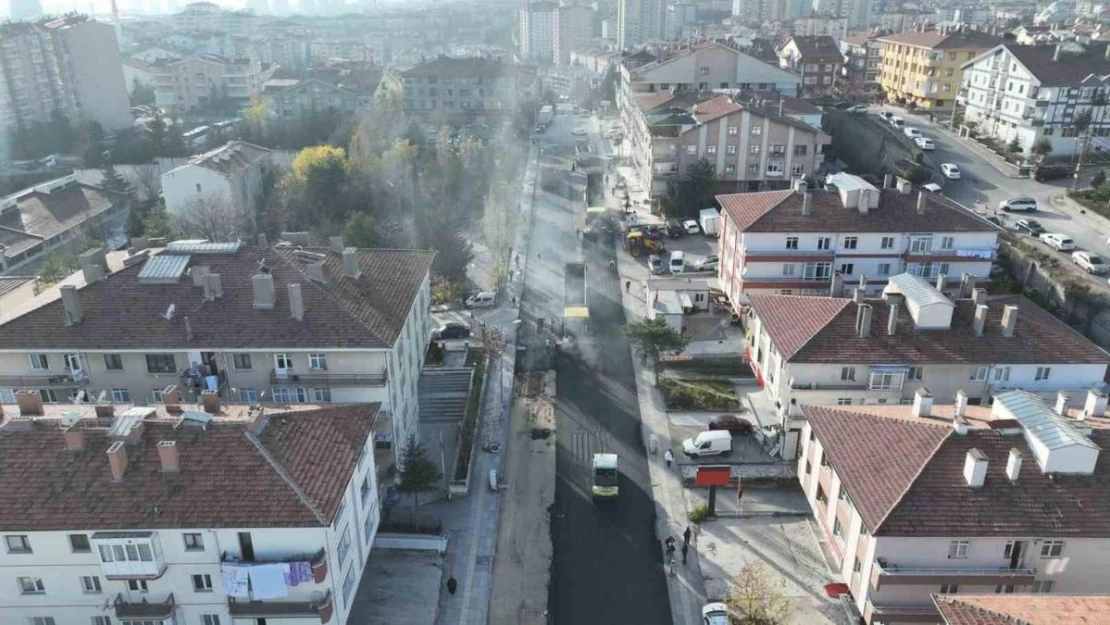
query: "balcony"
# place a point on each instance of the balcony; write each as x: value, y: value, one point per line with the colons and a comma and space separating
x: 42, y: 381
x: 145, y: 610
x: 129, y: 555
x: 892, y: 575
x: 323, y: 378
x: 662, y: 169
x: 317, y: 561
x: 951, y: 255
x: 321, y: 609
x: 829, y: 386
x: 896, y: 614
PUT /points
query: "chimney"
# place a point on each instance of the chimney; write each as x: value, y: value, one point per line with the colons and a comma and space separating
x: 1056, y: 53
x: 336, y: 244
x: 975, y: 468
x: 807, y: 203
x: 965, y: 286
x: 922, y: 402
x: 942, y: 281
x: 1061, y: 407
x: 215, y: 285
x: 92, y: 265
x: 1009, y: 320
x: 117, y: 458
x: 171, y: 395
x: 29, y: 402
x: 75, y: 438
x: 905, y: 187
x: 188, y: 329
x: 1096, y: 400
x: 892, y: 321
x: 979, y: 296
x: 296, y: 302
x: 263, y: 241
x: 921, y: 198
x: 961, y: 403
x: 138, y: 244
x: 837, y: 285
x: 315, y: 272
x: 211, y: 401
x: 980, y: 319
x: 1013, y: 464
x: 857, y: 296
x: 258, y: 421
x: 200, y: 277
x: 72, y: 304
x: 801, y: 186
x: 888, y: 181
x: 168, y: 456
x: 263, y: 285
x: 863, y: 321
x: 350, y: 263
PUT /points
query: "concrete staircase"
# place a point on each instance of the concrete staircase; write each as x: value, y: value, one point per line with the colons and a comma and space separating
x: 443, y: 394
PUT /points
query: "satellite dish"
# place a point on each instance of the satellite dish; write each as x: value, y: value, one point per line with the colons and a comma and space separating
x: 69, y: 419
x: 168, y: 316
x: 79, y: 398
x: 101, y: 397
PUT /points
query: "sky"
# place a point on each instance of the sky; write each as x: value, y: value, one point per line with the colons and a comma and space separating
x: 104, y: 6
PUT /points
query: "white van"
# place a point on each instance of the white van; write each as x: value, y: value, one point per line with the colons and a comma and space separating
x: 678, y: 262
x: 897, y: 122
x: 708, y: 443
x: 485, y: 299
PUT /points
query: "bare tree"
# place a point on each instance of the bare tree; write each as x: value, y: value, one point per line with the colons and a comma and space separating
x: 210, y: 217
x: 757, y: 599
x: 147, y: 181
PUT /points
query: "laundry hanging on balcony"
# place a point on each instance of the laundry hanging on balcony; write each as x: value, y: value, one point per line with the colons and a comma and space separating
x: 268, y: 581
x: 235, y: 580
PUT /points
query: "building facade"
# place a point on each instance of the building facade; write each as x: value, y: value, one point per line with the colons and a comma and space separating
x: 639, y: 22
x: 231, y: 178
x: 538, y: 31
x: 816, y: 59
x: 574, y: 27
x: 463, y: 86
x: 194, y: 82
x: 863, y: 58
x: 925, y: 67
x: 292, y: 98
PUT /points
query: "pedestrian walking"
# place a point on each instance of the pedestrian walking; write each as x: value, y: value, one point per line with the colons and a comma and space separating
x: 452, y: 585
x: 669, y: 548
x: 668, y: 456
x: 627, y: 285
x: 686, y: 535
x: 685, y: 548
x: 514, y: 300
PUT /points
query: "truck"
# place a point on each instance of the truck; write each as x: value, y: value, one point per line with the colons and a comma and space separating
x: 546, y: 114
x: 605, y: 478
x: 710, y: 221
x: 576, y: 312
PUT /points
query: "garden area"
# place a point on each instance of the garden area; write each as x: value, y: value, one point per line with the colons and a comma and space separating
x: 698, y: 395
x: 1096, y: 198
x: 474, y: 359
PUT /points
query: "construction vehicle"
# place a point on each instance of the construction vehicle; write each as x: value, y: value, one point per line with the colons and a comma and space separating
x: 637, y: 243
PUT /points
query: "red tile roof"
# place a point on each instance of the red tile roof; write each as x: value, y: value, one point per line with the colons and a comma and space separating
x: 1033, y: 609
x: 792, y: 320
x: 744, y: 209
x: 225, y: 480
x: 713, y: 108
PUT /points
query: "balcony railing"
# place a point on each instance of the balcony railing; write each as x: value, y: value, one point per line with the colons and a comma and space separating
x: 317, y: 561
x: 282, y: 609
x: 322, y: 378
x: 896, y: 614
x: 41, y: 381
x: 829, y: 386
x: 893, y: 575
x: 146, y: 610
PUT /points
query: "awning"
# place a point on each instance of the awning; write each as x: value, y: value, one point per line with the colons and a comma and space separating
x: 685, y: 300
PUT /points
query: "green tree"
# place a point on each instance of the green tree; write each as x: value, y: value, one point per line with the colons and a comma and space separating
x: 140, y: 93
x: 418, y: 474
x: 157, y: 222
x: 360, y: 231
x: 697, y: 189
x: 315, y: 188
x: 1042, y: 148
x: 56, y: 266
x: 757, y: 599
x: 1099, y: 179
x: 114, y: 181
x: 654, y: 338
x: 1015, y: 145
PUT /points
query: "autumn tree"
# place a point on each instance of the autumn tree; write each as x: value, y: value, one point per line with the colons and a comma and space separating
x: 757, y: 599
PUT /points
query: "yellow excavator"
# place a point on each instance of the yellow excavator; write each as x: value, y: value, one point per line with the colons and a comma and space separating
x: 637, y: 244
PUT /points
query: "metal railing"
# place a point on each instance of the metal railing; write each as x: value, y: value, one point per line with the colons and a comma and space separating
x: 40, y: 381
x: 322, y: 378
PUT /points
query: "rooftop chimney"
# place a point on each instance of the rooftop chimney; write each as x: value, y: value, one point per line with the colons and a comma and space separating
x: 1009, y: 320
x: 1056, y: 53
x: 105, y: 411
x: 200, y: 278
x: 807, y: 203
x: 117, y: 458
x: 980, y: 319
x: 171, y: 397
x: 857, y: 296
x: 93, y: 264
x: 905, y: 187
x: 29, y: 402
x: 837, y: 285
x: 1096, y: 400
x: 980, y: 296
x: 75, y: 438
x: 263, y: 285
x: 168, y: 456
x: 888, y: 181
x: 296, y: 302
x: 72, y: 304
x: 215, y: 285
x: 138, y: 244
x: 1013, y: 464
x: 188, y: 329
x: 892, y: 320
x: 211, y: 401
x: 315, y: 272
x: 975, y: 468
x: 961, y: 403
x: 1061, y: 407
x: 942, y: 281
x: 863, y: 321
x: 921, y: 199
x: 922, y: 402
x: 336, y: 244
x: 263, y: 241
x: 258, y: 421
x: 965, y: 286
x: 801, y: 186
x: 350, y: 263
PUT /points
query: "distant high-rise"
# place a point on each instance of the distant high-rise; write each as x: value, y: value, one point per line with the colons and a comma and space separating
x: 24, y: 10
x: 574, y: 28
x: 639, y: 21
x: 538, y: 31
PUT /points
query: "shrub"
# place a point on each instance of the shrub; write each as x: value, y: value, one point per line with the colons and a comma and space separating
x: 699, y: 514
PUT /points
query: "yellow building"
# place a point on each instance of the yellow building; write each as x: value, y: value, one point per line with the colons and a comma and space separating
x: 923, y: 66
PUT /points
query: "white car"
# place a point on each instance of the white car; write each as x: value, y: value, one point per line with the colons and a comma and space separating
x: 709, y: 263
x: 578, y: 132
x: 859, y: 108
x: 714, y: 614
x: 912, y: 133
x: 1057, y: 241
x: 1093, y: 263
x: 951, y: 171
x: 925, y: 143
x: 691, y: 226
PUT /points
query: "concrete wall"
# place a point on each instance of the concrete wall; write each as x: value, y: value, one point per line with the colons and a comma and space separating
x: 865, y: 145
x: 417, y: 542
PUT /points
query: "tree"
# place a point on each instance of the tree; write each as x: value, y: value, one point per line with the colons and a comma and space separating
x: 654, y: 338
x: 209, y: 217
x: 114, y: 181
x: 148, y: 182
x: 696, y: 190
x: 360, y: 231
x: 1099, y: 179
x: 156, y: 225
x: 56, y: 266
x: 314, y: 189
x: 141, y: 93
x: 418, y: 474
x: 756, y: 599
x: 1015, y: 145
x: 1042, y: 148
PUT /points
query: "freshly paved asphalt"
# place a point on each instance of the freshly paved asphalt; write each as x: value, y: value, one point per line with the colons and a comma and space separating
x: 607, y: 561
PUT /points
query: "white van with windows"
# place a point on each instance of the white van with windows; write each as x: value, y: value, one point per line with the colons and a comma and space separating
x: 678, y: 262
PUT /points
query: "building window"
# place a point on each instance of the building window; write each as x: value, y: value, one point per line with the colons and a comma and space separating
x: 921, y: 245
x: 113, y: 362
x: 90, y: 584
x: 161, y: 363
x: 42, y: 620
x: 1004, y: 588
x: 321, y: 395
x: 949, y: 589
x: 730, y: 149
x: 318, y: 362
x: 838, y: 530
x: 289, y: 395
x: 753, y: 168
x: 344, y: 546
x: 691, y: 150
x: 884, y: 269
x: 797, y: 169
x: 79, y: 543
x: 843, y: 401
x: 248, y: 395
x: 824, y: 243
x: 101, y: 620
x: 791, y: 243
x: 210, y: 619
x: 778, y: 149
x: 800, y: 150
x: 1001, y: 374
x: 978, y: 374
x: 31, y: 586
x: 704, y: 71
x: 121, y: 395
x: 732, y: 130
x: 755, y: 149
x: 710, y: 149
x: 816, y: 271
x: 887, y: 243
x: 915, y: 373
x: 847, y: 268
x: 850, y: 243
x: 757, y: 130
x: 202, y: 583
x: 156, y: 395
x: 730, y: 169
x: 1042, y: 586
x: 18, y: 543
x: 947, y: 243
x: 848, y: 374
x: 1052, y: 548
x: 193, y: 542
x: 241, y: 361
x: 774, y: 169
x: 1042, y: 373
x: 788, y: 269
x: 39, y: 362
x: 958, y: 548
x: 886, y: 380
x: 137, y: 585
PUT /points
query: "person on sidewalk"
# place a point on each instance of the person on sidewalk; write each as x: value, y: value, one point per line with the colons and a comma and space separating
x: 668, y: 456
x: 686, y: 536
x: 452, y: 585
x: 669, y: 547
x: 685, y: 548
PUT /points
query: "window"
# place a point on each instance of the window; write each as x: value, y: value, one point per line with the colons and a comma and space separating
x: 79, y: 543
x: 797, y: 169
x: 101, y: 620
x: 321, y: 395
x: 757, y: 130
x: 1042, y: 373
x: 7, y: 396
x: 210, y: 619
x: 31, y: 586
x: 800, y: 150
x: 730, y: 169
x: 137, y: 585
x: 193, y: 542
x: 850, y: 243
x: 91, y: 584
x: 202, y: 583
x: 18, y: 543
x: 161, y: 363
x: 730, y: 149
x: 888, y: 243
x: 318, y: 362
x: 348, y: 586
x: 248, y: 395
x: 816, y: 271
x: 949, y: 589
x: 915, y: 373
x: 791, y: 243
x: 344, y: 546
x: 113, y: 362
x: 1004, y: 588
x: 958, y: 548
x: 198, y: 187
x: 843, y: 401
x: 732, y: 130
x: 947, y: 243
x: 978, y: 374
x: 241, y: 361
x: 1052, y: 548
x: 838, y: 529
x: 1042, y: 586
x: 774, y: 169
x: 847, y: 268
x: 1001, y: 374
x: 824, y: 243
x: 884, y: 269
x: 755, y: 149
x: 848, y: 374
x: 289, y: 395
x: 703, y: 71
x: 710, y: 149
x: 753, y: 168
x: 156, y: 395
x: 886, y: 380
x: 921, y: 245
x: 39, y: 362
x: 810, y: 80
x: 788, y: 269
x: 778, y: 149
x: 121, y: 395
x: 42, y: 620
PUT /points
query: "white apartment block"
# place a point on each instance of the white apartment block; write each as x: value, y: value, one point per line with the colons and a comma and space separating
x: 185, y: 84
x: 930, y: 502
x: 281, y: 325
x: 231, y: 177
x: 1036, y: 92
x: 538, y: 31
x: 574, y: 28
x: 169, y: 515
x: 639, y: 22
x: 805, y: 242
x: 860, y: 351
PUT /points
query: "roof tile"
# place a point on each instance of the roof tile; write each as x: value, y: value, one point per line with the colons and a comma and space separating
x: 1032, y: 609
x: 793, y: 320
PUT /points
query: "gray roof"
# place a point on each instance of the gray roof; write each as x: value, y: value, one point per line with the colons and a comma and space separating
x: 1051, y: 429
x: 917, y: 290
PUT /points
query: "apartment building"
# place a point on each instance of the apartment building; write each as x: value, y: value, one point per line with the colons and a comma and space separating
x: 926, y: 506
x: 173, y: 515
x: 751, y: 145
x: 639, y: 22
x: 925, y: 66
x: 282, y: 325
x: 464, y: 86
x: 802, y: 242
x: 1036, y: 92
x: 71, y: 64
x: 291, y: 98
x: 231, y: 177
x: 836, y: 351
x: 820, y: 25
x: 193, y: 82
x: 680, y: 21
x: 574, y: 29
x: 863, y: 57
x: 52, y: 215
x: 816, y: 59
x: 538, y: 31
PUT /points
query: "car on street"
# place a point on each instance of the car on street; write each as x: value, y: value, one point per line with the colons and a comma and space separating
x: 912, y: 133
x: 951, y: 171
x: 1093, y: 263
x: 714, y: 614
x: 708, y: 443
x: 732, y: 423
x: 656, y: 265
x: 578, y: 132
x: 674, y: 228
x: 1057, y: 241
x: 484, y: 299
x: 451, y: 330
x: 1030, y: 226
x: 691, y: 226
x: 709, y: 263
x: 859, y: 108
x: 896, y: 121
x: 925, y: 143
x: 1023, y: 204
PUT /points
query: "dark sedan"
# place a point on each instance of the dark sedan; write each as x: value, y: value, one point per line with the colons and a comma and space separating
x: 732, y: 423
x: 452, y: 330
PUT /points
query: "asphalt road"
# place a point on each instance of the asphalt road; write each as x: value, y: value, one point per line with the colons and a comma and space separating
x: 607, y: 563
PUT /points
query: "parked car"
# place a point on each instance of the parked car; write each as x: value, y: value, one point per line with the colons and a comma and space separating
x: 912, y: 133
x: 678, y: 262
x: 451, y: 330
x: 691, y: 226
x: 709, y: 263
x: 1023, y: 204
x: 925, y: 143
x: 1030, y: 226
x: 1057, y: 241
x: 732, y: 423
x: 951, y: 171
x: 708, y: 443
x: 715, y: 614
x: 1052, y: 172
x: 578, y: 132
x: 484, y: 299
x: 674, y: 228
x: 896, y: 121
x: 996, y: 221
x: 1093, y: 263
x: 859, y: 108
x: 656, y: 265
